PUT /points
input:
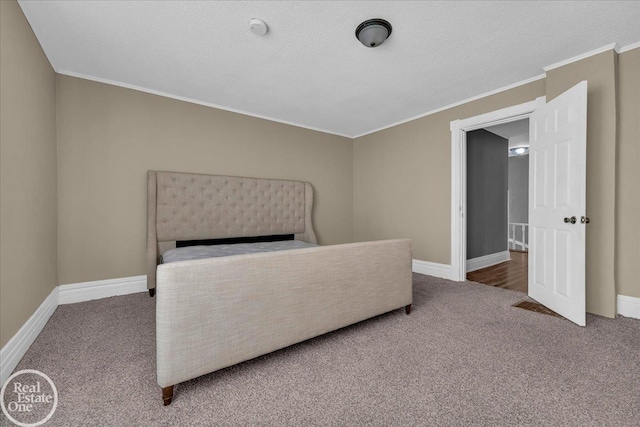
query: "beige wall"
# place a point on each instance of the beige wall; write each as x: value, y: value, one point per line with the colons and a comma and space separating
x: 28, y: 212
x: 109, y: 136
x: 628, y: 176
x: 600, y: 73
x: 402, y: 176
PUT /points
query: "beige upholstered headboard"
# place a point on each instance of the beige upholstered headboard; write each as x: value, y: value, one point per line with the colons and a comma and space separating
x: 188, y: 206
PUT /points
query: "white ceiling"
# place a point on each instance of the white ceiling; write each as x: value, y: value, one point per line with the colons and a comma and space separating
x: 516, y: 132
x: 309, y: 69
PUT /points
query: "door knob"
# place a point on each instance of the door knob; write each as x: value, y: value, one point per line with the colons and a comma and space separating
x: 584, y: 220
x: 572, y: 220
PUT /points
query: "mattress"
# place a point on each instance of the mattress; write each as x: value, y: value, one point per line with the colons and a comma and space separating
x: 201, y: 252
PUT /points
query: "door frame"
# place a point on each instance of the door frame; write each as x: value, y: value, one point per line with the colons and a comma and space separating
x: 459, y: 129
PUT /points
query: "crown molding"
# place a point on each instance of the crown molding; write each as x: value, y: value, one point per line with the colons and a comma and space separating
x: 455, y: 104
x: 628, y: 47
x: 613, y: 46
x: 193, y: 101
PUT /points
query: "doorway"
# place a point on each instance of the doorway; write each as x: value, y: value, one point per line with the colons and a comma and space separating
x: 498, y: 205
x: 557, y: 197
x: 459, y: 130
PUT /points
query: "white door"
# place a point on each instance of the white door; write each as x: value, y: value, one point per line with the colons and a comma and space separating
x: 557, y: 203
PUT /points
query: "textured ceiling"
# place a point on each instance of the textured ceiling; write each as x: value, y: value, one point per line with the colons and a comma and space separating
x: 309, y: 69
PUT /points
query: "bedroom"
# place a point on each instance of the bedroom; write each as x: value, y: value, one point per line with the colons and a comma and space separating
x: 80, y: 148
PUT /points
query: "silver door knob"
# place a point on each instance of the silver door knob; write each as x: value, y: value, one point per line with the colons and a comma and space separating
x: 572, y: 220
x: 584, y: 220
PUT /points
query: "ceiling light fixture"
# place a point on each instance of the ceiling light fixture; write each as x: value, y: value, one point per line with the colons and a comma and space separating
x: 519, y: 151
x: 373, y: 32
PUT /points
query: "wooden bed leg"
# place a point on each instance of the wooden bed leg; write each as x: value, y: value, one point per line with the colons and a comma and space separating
x: 167, y: 395
x: 407, y: 309
x: 152, y: 292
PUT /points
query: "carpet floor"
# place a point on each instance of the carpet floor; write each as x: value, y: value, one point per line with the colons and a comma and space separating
x: 464, y: 357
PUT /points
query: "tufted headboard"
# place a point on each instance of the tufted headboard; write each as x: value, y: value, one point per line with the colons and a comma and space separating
x: 188, y: 206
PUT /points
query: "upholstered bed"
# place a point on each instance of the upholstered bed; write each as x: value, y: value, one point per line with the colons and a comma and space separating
x: 221, y: 305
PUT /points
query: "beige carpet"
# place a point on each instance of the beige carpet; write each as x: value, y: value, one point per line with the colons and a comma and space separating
x: 465, y: 356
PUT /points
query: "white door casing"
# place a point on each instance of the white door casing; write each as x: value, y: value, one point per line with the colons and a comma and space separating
x: 557, y: 193
x: 459, y: 129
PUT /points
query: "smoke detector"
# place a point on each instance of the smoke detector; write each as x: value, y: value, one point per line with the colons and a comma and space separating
x: 258, y: 26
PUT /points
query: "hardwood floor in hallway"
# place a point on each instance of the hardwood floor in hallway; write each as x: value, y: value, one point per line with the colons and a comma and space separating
x: 508, y: 275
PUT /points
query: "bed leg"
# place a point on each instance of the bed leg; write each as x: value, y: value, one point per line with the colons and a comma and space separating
x: 167, y: 395
x: 407, y: 309
x: 152, y: 292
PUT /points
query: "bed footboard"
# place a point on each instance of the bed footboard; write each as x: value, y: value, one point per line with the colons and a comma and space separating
x: 218, y: 312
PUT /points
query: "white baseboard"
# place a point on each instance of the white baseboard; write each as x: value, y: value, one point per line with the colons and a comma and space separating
x: 629, y: 306
x: 487, y: 260
x: 432, y: 269
x: 87, y: 291
x: 18, y: 345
